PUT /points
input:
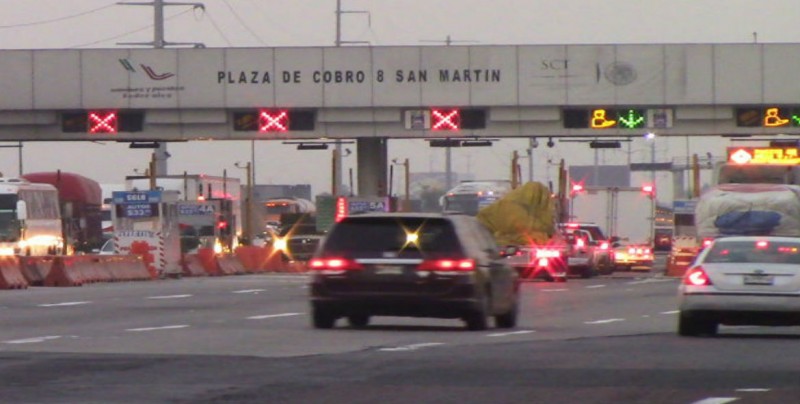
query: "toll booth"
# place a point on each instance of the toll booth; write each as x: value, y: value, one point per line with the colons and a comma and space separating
x: 148, y: 219
x: 206, y: 224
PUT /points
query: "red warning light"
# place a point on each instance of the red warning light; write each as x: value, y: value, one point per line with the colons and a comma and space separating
x: 649, y: 190
x: 341, y: 209
x: 445, y: 119
x: 577, y: 187
x: 102, y: 121
x: 273, y: 121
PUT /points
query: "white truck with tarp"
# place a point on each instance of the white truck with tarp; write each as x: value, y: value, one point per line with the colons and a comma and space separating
x: 523, y: 223
x: 748, y: 209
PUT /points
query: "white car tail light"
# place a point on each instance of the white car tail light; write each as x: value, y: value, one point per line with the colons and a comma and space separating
x: 696, y: 277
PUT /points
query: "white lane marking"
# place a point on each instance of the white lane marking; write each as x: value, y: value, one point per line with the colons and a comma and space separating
x: 33, y: 340
x: 606, y: 321
x: 716, y: 400
x: 170, y: 297
x: 166, y: 327
x: 505, y: 334
x: 595, y: 286
x: 248, y: 291
x: 273, y: 316
x: 554, y: 290
x: 753, y: 390
x: 63, y: 304
x: 412, y: 347
x: 670, y: 312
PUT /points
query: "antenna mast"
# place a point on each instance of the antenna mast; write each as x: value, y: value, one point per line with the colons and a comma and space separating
x: 161, y: 154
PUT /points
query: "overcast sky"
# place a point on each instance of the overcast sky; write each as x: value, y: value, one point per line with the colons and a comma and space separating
x: 81, y: 24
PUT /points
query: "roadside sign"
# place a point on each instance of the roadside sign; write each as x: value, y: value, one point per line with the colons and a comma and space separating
x: 684, y: 206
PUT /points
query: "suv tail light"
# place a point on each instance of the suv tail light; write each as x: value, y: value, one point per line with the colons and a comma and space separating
x: 696, y: 277
x: 334, y: 264
x: 447, y: 265
x: 604, y: 245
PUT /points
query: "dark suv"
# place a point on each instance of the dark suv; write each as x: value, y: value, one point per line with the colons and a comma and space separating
x: 411, y: 265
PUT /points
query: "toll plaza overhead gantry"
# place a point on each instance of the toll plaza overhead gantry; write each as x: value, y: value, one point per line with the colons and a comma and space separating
x: 373, y: 94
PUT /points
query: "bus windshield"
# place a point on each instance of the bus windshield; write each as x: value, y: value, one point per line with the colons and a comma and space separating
x: 9, y: 225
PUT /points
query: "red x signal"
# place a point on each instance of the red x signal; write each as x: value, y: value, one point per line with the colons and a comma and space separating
x: 273, y: 121
x: 445, y: 119
x: 103, y: 122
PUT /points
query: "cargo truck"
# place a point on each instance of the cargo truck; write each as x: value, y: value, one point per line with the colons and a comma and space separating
x: 626, y: 215
x: 80, y: 201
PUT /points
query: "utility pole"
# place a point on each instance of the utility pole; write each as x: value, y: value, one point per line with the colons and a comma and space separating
x: 161, y: 154
x: 337, y: 154
x: 448, y: 163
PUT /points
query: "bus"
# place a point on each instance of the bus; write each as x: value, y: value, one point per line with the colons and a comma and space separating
x: 470, y: 196
x: 272, y: 209
x: 30, y: 219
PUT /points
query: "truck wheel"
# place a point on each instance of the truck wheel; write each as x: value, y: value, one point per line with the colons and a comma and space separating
x: 509, y: 318
x: 588, y: 272
x: 321, y: 318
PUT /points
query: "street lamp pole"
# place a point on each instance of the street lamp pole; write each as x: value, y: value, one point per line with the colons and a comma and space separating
x: 407, y: 203
x: 248, y: 203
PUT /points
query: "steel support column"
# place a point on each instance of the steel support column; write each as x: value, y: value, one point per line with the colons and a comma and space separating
x: 372, y: 166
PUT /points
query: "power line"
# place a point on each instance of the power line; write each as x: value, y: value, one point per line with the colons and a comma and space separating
x: 219, y: 31
x: 50, y: 21
x: 244, y: 24
x: 127, y: 33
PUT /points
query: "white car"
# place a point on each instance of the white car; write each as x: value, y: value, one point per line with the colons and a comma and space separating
x: 743, y: 280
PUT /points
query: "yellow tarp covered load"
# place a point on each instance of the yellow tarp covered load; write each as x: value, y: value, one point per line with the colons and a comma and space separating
x: 525, y: 215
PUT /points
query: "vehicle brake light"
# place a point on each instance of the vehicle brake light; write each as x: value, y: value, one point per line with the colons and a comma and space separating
x: 335, y: 264
x: 447, y: 265
x: 696, y: 277
x: 542, y: 262
x: 580, y: 243
x: 707, y: 242
x: 604, y: 245
x: 762, y: 244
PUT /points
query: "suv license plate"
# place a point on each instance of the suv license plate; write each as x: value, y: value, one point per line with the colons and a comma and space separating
x: 759, y: 279
x: 388, y: 270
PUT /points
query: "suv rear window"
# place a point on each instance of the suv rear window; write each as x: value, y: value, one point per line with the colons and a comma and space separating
x: 595, y: 231
x: 372, y: 235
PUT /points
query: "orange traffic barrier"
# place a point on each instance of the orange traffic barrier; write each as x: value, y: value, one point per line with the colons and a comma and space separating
x: 10, y: 275
x: 261, y: 259
x: 64, y: 273
x: 297, y: 266
x: 142, y: 248
x: 208, y: 259
x: 230, y: 265
x: 126, y: 268
x: 35, y: 269
x: 192, y: 265
x: 249, y: 256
